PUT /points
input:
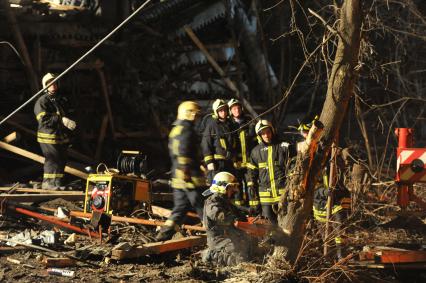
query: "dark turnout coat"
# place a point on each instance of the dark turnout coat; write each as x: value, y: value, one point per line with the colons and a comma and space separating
x: 226, y: 244
x: 217, y: 141
x: 49, y: 110
x: 245, y: 141
x: 183, y: 143
x: 267, y: 170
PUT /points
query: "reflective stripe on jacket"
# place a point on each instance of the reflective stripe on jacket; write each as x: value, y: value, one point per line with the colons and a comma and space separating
x: 183, y: 143
x: 217, y: 141
x: 267, y: 170
x: 49, y: 110
x: 245, y: 141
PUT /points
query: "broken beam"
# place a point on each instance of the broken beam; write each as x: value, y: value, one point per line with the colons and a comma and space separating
x: 40, y: 159
x: 231, y: 85
x: 401, y: 256
x: 133, y: 220
x: 159, y: 247
x: 51, y: 219
x: 164, y: 212
x: 38, y: 191
x: 41, y: 197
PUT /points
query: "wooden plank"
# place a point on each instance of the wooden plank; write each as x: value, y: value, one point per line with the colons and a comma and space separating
x: 39, y: 159
x: 141, y: 221
x: 164, y: 212
x: 39, y: 191
x: 397, y: 266
x: 160, y: 247
x: 58, y: 262
x: 41, y: 197
x: 72, y: 152
x: 402, y: 256
x: 10, y: 137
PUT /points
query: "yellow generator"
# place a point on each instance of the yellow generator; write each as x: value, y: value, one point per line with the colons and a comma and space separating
x: 119, y: 194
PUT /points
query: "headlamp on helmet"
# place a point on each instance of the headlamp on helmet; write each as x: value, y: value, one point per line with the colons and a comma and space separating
x: 223, y: 183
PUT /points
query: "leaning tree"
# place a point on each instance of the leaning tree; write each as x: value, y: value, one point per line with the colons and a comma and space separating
x: 296, y: 205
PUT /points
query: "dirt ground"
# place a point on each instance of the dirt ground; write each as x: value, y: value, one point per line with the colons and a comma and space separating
x: 372, y: 224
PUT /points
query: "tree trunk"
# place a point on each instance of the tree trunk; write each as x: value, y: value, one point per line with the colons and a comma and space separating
x: 296, y: 206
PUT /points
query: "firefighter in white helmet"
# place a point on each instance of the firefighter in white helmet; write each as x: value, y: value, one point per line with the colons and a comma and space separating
x: 245, y: 138
x: 218, y: 144
x: 54, y: 131
x: 227, y: 245
x: 267, y: 169
x: 188, y: 181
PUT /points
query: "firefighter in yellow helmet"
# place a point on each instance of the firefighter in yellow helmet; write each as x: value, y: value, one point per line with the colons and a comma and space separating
x: 267, y: 169
x: 340, y: 195
x: 227, y: 245
x: 245, y: 138
x: 188, y: 181
x: 53, y: 134
x: 218, y: 144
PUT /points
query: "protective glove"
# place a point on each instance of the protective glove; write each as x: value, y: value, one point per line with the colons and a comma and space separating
x: 210, y: 166
x: 68, y: 123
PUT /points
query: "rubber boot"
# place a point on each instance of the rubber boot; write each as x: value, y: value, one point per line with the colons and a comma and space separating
x: 166, y: 233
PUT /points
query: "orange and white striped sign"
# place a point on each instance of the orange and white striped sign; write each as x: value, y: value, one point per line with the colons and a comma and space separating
x: 408, y: 159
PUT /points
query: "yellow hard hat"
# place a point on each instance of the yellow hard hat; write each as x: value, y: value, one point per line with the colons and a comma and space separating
x: 222, y: 182
x: 217, y: 104
x: 188, y: 110
x: 263, y: 124
x: 47, y: 79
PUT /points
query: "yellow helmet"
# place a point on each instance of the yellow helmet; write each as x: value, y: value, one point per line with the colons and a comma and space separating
x: 222, y: 182
x: 47, y: 79
x: 187, y: 110
x: 217, y: 104
x: 263, y: 124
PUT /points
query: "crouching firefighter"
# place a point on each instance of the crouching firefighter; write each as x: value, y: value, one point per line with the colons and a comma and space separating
x: 267, y: 169
x: 53, y: 134
x: 226, y: 244
x: 188, y: 181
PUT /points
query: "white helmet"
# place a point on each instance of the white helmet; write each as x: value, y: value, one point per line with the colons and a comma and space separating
x: 217, y: 104
x: 47, y: 79
x: 263, y: 124
x: 222, y: 182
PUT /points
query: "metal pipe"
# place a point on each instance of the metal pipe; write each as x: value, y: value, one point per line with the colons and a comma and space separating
x: 53, y: 220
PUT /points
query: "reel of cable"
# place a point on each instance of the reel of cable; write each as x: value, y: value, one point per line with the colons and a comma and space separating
x: 132, y: 162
